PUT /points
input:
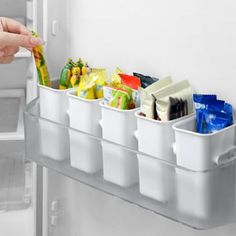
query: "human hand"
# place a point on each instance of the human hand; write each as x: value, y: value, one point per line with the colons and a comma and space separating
x: 12, y: 36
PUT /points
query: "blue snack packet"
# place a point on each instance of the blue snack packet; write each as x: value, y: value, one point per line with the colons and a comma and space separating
x: 213, y: 121
x: 211, y: 114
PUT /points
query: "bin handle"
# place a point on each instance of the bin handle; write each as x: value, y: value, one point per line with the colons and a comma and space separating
x: 136, y: 134
x: 174, y: 148
x: 100, y: 123
x: 226, y: 157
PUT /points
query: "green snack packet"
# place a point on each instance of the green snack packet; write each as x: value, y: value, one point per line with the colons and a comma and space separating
x: 120, y: 100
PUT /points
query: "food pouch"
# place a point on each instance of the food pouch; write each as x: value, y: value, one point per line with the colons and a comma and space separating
x: 180, y: 91
x: 148, y: 101
x: 115, y: 78
x: 65, y: 75
x: 131, y: 81
x: 206, y: 104
x: 211, y: 114
x: 213, y: 121
x: 118, y: 97
x: 75, y: 78
x: 42, y: 70
x: 145, y: 79
x: 101, y: 78
x: 86, y: 88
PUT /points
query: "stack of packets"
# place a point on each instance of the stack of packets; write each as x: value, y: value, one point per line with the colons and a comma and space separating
x: 71, y: 73
x: 165, y: 100
x: 211, y: 114
x: 123, y: 90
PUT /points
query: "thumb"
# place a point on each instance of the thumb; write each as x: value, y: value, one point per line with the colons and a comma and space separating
x: 18, y: 40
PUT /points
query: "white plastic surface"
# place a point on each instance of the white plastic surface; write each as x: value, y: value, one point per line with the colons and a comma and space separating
x: 54, y: 106
x: 85, y: 153
x: 204, y: 194
x: 156, y: 138
x: 199, y: 152
x: 156, y: 180
x: 84, y: 115
x: 119, y: 166
x: 119, y: 126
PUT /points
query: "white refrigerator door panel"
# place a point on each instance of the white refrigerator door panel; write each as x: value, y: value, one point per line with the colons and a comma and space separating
x: 83, y: 211
x: 188, y: 39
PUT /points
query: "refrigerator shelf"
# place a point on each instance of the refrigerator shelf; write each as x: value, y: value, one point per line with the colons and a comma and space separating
x: 198, y: 199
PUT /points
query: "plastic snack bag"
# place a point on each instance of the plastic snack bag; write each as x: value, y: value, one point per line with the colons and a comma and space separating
x: 101, y: 78
x: 75, y: 78
x: 118, y: 97
x: 145, y: 79
x: 42, y: 70
x: 65, y: 75
x: 211, y: 114
x: 180, y: 91
x: 86, y: 88
x: 148, y: 101
x: 115, y: 78
x: 131, y: 81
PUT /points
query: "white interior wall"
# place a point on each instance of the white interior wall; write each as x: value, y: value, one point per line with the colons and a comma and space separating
x: 187, y: 39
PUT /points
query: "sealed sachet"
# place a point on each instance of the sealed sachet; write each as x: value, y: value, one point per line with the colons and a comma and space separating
x: 101, y: 78
x: 41, y: 65
x: 148, y: 101
x: 118, y: 97
x: 86, y: 88
x: 145, y: 79
x: 127, y: 82
x: 131, y: 81
x: 115, y: 78
x: 211, y: 114
x: 174, y: 101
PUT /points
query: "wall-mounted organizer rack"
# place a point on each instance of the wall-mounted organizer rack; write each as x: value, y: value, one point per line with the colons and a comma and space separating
x: 101, y: 151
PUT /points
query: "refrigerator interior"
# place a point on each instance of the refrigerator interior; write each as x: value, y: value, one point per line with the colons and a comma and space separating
x: 17, y: 87
x: 192, y: 40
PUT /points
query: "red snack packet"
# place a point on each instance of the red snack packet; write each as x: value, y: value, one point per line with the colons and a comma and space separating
x: 131, y: 81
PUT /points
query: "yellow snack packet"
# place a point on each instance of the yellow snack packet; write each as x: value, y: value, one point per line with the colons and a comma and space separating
x: 86, y: 88
x: 43, y: 75
x: 115, y: 78
x: 101, y: 78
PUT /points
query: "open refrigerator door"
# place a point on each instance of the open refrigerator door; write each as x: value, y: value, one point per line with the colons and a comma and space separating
x: 18, y: 86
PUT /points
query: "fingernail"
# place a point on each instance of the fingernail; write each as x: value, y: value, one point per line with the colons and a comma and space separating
x: 37, y: 41
x: 1, y: 53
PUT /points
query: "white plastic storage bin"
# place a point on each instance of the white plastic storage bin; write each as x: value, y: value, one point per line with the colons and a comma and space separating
x: 201, y: 152
x: 156, y: 179
x: 84, y: 115
x: 211, y: 191
x: 118, y: 126
x: 53, y: 107
x: 156, y: 138
x: 206, y: 195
